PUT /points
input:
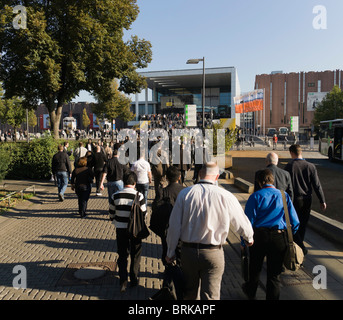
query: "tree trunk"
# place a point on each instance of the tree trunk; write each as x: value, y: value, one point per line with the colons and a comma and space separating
x: 55, y: 119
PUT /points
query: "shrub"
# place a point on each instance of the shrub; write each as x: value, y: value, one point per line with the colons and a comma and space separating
x: 4, y: 163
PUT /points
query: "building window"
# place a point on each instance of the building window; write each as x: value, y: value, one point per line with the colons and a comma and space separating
x: 311, y: 84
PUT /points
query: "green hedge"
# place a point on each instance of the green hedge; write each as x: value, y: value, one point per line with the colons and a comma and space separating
x: 30, y: 160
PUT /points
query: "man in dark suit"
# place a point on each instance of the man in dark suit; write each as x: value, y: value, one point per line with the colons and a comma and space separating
x: 282, y: 178
x: 171, y: 192
x: 305, y: 179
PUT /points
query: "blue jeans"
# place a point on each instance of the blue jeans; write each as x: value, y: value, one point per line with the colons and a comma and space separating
x: 62, y: 181
x: 144, y: 189
x: 113, y: 187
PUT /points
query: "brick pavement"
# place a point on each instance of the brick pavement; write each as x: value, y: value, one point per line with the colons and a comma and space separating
x: 46, y: 236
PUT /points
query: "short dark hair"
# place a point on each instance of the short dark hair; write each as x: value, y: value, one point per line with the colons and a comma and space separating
x: 82, y: 162
x: 173, y: 174
x: 265, y: 177
x: 130, y: 179
x: 296, y: 149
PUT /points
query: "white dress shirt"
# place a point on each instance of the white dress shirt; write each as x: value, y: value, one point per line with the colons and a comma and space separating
x: 203, y: 214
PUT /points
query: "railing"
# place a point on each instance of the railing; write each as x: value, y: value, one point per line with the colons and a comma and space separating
x: 10, y: 195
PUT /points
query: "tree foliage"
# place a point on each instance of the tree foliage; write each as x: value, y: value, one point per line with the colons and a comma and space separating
x: 85, y: 119
x: 69, y: 46
x: 330, y: 108
x: 113, y: 104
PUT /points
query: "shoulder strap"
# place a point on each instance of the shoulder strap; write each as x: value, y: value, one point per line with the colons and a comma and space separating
x: 289, y: 228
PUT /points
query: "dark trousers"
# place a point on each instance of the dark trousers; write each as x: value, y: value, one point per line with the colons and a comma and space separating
x: 97, y: 175
x: 128, y: 245
x: 83, y: 192
x: 271, y: 244
x: 303, y: 208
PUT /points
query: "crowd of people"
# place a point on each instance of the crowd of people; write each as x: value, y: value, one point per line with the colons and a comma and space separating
x: 201, y: 215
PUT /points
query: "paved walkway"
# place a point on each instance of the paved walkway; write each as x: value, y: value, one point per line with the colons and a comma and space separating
x: 51, y: 241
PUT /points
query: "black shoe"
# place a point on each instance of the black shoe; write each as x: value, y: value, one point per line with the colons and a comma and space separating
x: 123, y: 286
x: 245, y: 291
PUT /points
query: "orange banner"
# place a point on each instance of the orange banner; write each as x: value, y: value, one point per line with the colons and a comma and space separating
x: 250, y: 102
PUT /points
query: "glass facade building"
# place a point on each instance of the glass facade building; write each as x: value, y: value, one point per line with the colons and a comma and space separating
x: 171, y: 90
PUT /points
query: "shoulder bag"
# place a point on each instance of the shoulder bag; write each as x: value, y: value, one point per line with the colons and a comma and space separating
x: 294, y: 256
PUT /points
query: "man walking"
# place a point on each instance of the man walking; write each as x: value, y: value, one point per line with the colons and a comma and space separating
x: 61, y: 169
x: 143, y: 171
x: 100, y: 161
x: 201, y: 219
x: 305, y: 179
x: 282, y: 178
x: 121, y: 203
x: 114, y: 172
x: 79, y: 152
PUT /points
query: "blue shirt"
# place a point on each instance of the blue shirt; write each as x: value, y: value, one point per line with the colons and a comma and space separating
x: 264, y: 208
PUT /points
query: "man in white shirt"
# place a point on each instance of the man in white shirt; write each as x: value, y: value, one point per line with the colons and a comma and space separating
x: 201, y: 219
x: 79, y: 152
x: 143, y: 171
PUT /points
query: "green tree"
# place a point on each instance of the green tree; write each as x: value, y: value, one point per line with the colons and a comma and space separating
x: 330, y: 108
x: 69, y: 46
x: 85, y: 119
x: 32, y: 118
x: 11, y: 112
x: 113, y: 104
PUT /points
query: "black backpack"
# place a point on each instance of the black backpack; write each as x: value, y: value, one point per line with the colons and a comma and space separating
x: 160, y: 215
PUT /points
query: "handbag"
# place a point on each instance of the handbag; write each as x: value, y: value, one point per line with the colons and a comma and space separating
x: 294, y: 256
x: 136, y: 226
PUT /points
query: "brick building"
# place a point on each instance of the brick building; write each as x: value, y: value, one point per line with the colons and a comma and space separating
x: 294, y: 94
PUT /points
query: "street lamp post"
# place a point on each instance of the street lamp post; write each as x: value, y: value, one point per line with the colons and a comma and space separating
x: 196, y: 61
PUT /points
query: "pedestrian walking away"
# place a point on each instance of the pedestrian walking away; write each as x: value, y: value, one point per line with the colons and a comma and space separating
x: 304, y: 179
x: 120, y: 207
x: 114, y: 173
x: 265, y: 211
x: 164, y: 197
x: 201, y: 218
x: 79, y: 152
x: 144, y: 178
x: 275, y: 139
x: 100, y: 161
x: 81, y: 180
x: 61, y: 169
x: 282, y: 178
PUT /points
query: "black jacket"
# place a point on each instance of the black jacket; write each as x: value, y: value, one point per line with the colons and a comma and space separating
x: 60, y: 162
x: 305, y: 179
x: 282, y: 180
x: 171, y: 191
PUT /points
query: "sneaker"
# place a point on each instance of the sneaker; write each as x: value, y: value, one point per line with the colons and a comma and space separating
x: 99, y: 194
x: 60, y: 196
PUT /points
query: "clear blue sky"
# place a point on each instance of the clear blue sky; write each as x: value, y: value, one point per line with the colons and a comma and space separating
x: 254, y: 36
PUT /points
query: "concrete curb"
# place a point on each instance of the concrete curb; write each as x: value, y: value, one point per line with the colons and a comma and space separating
x: 329, y: 228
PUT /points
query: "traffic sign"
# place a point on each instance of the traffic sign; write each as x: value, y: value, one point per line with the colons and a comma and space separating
x: 191, y: 115
x: 294, y: 124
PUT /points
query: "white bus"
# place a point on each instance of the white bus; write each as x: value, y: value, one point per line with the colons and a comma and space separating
x: 331, y: 139
x: 69, y: 123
